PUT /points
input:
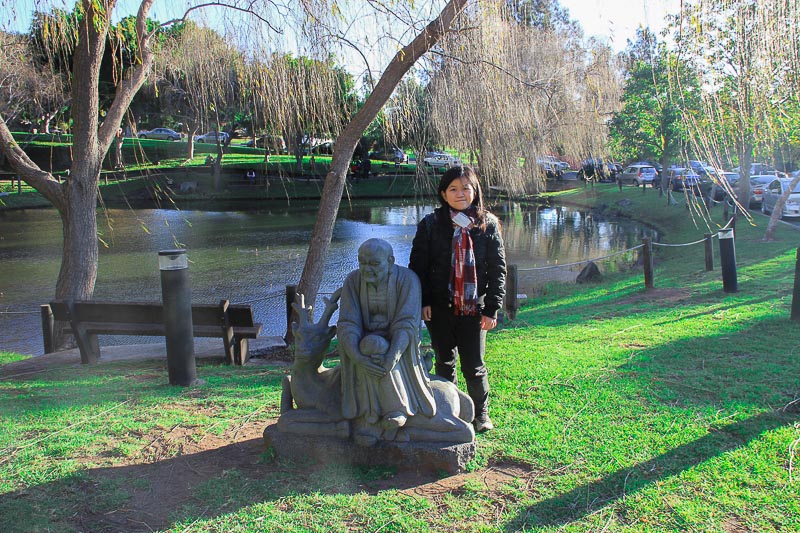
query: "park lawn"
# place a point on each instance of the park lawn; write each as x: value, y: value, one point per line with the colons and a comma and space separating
x: 617, y: 409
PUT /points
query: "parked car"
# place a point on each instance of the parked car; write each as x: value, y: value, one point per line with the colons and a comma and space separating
x: 719, y: 190
x: 682, y: 179
x: 640, y: 175
x: 595, y: 168
x: 395, y: 155
x: 325, y: 148
x: 275, y: 143
x: 212, y: 137
x: 549, y: 170
x: 163, y: 134
x: 701, y: 168
x: 558, y: 164
x: 774, y: 190
x: 757, y: 185
x: 759, y: 169
x: 440, y: 160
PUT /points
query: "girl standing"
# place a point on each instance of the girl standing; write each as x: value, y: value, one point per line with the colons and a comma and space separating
x: 459, y: 257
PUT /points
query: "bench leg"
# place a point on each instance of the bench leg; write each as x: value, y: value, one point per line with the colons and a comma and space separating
x: 48, y: 333
x: 240, y: 351
x: 89, y: 346
x: 227, y: 340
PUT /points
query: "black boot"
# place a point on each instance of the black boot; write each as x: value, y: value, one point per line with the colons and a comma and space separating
x: 478, y: 390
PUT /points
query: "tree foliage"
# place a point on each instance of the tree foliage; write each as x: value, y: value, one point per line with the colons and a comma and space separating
x: 747, y: 53
x: 658, y: 91
x: 547, y: 97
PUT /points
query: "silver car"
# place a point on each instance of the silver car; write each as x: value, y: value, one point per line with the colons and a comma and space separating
x: 440, y: 160
x: 212, y: 137
x: 639, y: 175
x: 164, y: 134
x: 774, y: 190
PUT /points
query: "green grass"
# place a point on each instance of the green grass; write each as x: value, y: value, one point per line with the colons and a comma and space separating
x: 616, y: 410
x: 145, y: 158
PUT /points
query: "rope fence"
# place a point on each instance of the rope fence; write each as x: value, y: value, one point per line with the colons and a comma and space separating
x: 520, y: 281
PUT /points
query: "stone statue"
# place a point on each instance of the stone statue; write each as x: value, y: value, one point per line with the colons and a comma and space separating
x: 384, y: 387
x: 382, y: 391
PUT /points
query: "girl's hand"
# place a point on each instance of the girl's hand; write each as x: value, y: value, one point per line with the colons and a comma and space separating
x: 488, y: 322
x: 426, y: 313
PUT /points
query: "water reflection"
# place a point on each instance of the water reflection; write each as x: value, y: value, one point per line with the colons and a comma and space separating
x: 249, y: 256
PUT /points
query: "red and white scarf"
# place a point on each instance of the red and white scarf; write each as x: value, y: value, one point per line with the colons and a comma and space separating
x: 463, y: 277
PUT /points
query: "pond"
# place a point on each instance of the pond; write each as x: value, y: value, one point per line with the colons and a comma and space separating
x: 250, y: 254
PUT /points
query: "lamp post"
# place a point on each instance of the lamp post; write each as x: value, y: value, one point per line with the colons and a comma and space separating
x: 176, y: 296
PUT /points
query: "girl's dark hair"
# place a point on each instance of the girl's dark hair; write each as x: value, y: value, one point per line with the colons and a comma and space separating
x: 472, y: 178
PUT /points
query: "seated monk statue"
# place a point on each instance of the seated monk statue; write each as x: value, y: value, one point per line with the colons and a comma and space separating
x: 384, y: 381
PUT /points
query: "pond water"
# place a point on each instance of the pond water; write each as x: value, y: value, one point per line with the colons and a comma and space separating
x: 250, y: 254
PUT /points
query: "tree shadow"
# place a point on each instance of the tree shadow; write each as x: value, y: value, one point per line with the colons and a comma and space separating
x: 722, y: 370
x: 198, y: 486
x: 588, y: 498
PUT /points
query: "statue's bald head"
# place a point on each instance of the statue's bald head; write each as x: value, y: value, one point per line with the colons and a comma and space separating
x: 377, y: 246
x: 375, y: 258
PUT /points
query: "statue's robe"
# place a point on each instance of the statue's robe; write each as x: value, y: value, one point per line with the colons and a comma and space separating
x: 405, y: 389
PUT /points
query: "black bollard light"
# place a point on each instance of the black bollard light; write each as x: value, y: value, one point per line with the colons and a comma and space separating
x: 727, y: 258
x: 176, y: 296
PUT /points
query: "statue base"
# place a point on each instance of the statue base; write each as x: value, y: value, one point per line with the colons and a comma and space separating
x: 431, y: 456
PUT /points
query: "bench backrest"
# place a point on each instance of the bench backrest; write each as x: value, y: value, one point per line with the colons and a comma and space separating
x: 239, y: 315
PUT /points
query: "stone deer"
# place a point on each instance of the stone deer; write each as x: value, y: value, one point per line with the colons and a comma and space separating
x: 311, y: 399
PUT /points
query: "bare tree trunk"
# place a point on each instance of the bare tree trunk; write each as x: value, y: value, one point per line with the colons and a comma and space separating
x: 191, y: 131
x: 116, y: 156
x: 78, y: 272
x: 745, y: 149
x: 311, y: 278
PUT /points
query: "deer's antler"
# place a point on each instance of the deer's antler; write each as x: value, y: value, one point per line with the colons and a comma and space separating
x: 331, y: 305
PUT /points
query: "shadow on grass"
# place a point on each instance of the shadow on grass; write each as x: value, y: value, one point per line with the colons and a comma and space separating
x: 722, y: 371
x: 199, y: 486
x: 588, y: 498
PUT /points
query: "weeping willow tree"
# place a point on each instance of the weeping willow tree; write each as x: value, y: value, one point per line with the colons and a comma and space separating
x: 199, y: 74
x: 299, y: 98
x: 747, y: 54
x: 545, y: 96
x: 30, y: 93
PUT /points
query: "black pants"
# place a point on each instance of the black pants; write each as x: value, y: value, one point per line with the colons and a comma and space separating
x: 460, y: 338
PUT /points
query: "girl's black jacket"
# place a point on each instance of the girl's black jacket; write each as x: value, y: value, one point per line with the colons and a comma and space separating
x: 431, y: 256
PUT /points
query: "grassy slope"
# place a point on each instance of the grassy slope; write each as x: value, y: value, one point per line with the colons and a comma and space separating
x: 619, y: 410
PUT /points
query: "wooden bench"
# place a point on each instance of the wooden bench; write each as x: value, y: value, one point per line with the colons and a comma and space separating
x: 87, y: 319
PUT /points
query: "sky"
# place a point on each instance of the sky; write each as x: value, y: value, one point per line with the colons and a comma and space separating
x: 615, y: 21
x: 612, y: 21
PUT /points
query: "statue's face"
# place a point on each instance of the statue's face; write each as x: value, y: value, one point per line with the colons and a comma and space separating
x: 374, y: 264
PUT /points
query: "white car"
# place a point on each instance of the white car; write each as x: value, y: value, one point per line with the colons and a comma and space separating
x: 757, y: 185
x: 441, y: 160
x: 212, y: 137
x: 774, y: 190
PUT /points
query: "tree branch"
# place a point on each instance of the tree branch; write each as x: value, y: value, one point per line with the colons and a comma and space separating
x: 29, y: 171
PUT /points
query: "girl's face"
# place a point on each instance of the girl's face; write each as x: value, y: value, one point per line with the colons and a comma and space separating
x: 459, y: 194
